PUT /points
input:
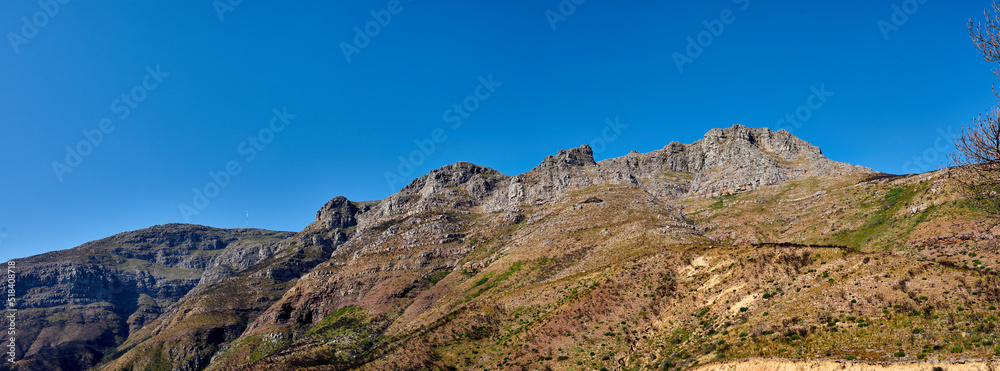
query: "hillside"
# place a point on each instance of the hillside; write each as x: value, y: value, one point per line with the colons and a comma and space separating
x: 77, y: 305
x: 745, y: 245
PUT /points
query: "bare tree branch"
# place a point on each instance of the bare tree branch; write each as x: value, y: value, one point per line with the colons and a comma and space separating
x: 976, y: 159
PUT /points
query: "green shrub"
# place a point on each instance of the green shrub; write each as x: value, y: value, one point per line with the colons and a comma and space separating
x: 436, y: 277
x: 702, y: 312
x: 899, y: 354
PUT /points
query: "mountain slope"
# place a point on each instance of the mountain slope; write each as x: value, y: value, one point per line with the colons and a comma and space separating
x: 609, y: 276
x: 205, y: 320
x: 80, y: 303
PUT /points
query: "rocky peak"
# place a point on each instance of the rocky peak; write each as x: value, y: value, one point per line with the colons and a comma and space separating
x: 332, y: 224
x: 459, y: 185
x: 567, y: 159
x: 337, y: 213
x: 730, y: 160
x: 166, y: 235
x: 739, y: 159
x: 737, y: 137
x: 448, y: 176
x: 569, y: 168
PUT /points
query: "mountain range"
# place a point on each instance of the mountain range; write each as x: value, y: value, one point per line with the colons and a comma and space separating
x: 745, y: 249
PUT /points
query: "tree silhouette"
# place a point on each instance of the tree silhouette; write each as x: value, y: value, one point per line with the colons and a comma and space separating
x: 976, y: 159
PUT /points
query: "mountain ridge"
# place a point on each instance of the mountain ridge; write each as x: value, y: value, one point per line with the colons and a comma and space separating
x: 754, y: 157
x: 452, y: 260
x: 120, y: 282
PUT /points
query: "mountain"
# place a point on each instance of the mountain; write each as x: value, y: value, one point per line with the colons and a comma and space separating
x: 746, y: 244
x: 75, y: 305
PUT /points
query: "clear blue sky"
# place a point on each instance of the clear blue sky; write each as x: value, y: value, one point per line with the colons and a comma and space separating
x: 220, y: 80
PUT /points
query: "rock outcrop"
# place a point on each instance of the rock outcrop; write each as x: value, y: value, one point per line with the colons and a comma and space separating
x: 725, y: 161
x: 739, y: 159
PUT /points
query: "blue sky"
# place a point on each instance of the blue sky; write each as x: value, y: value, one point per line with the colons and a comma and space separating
x: 260, y: 107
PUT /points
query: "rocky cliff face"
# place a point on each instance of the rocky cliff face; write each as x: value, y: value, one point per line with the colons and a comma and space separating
x: 196, y: 328
x: 725, y: 161
x: 78, y: 303
x: 739, y: 159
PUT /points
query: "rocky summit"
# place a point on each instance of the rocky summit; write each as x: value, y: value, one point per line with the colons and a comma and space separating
x: 745, y: 248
